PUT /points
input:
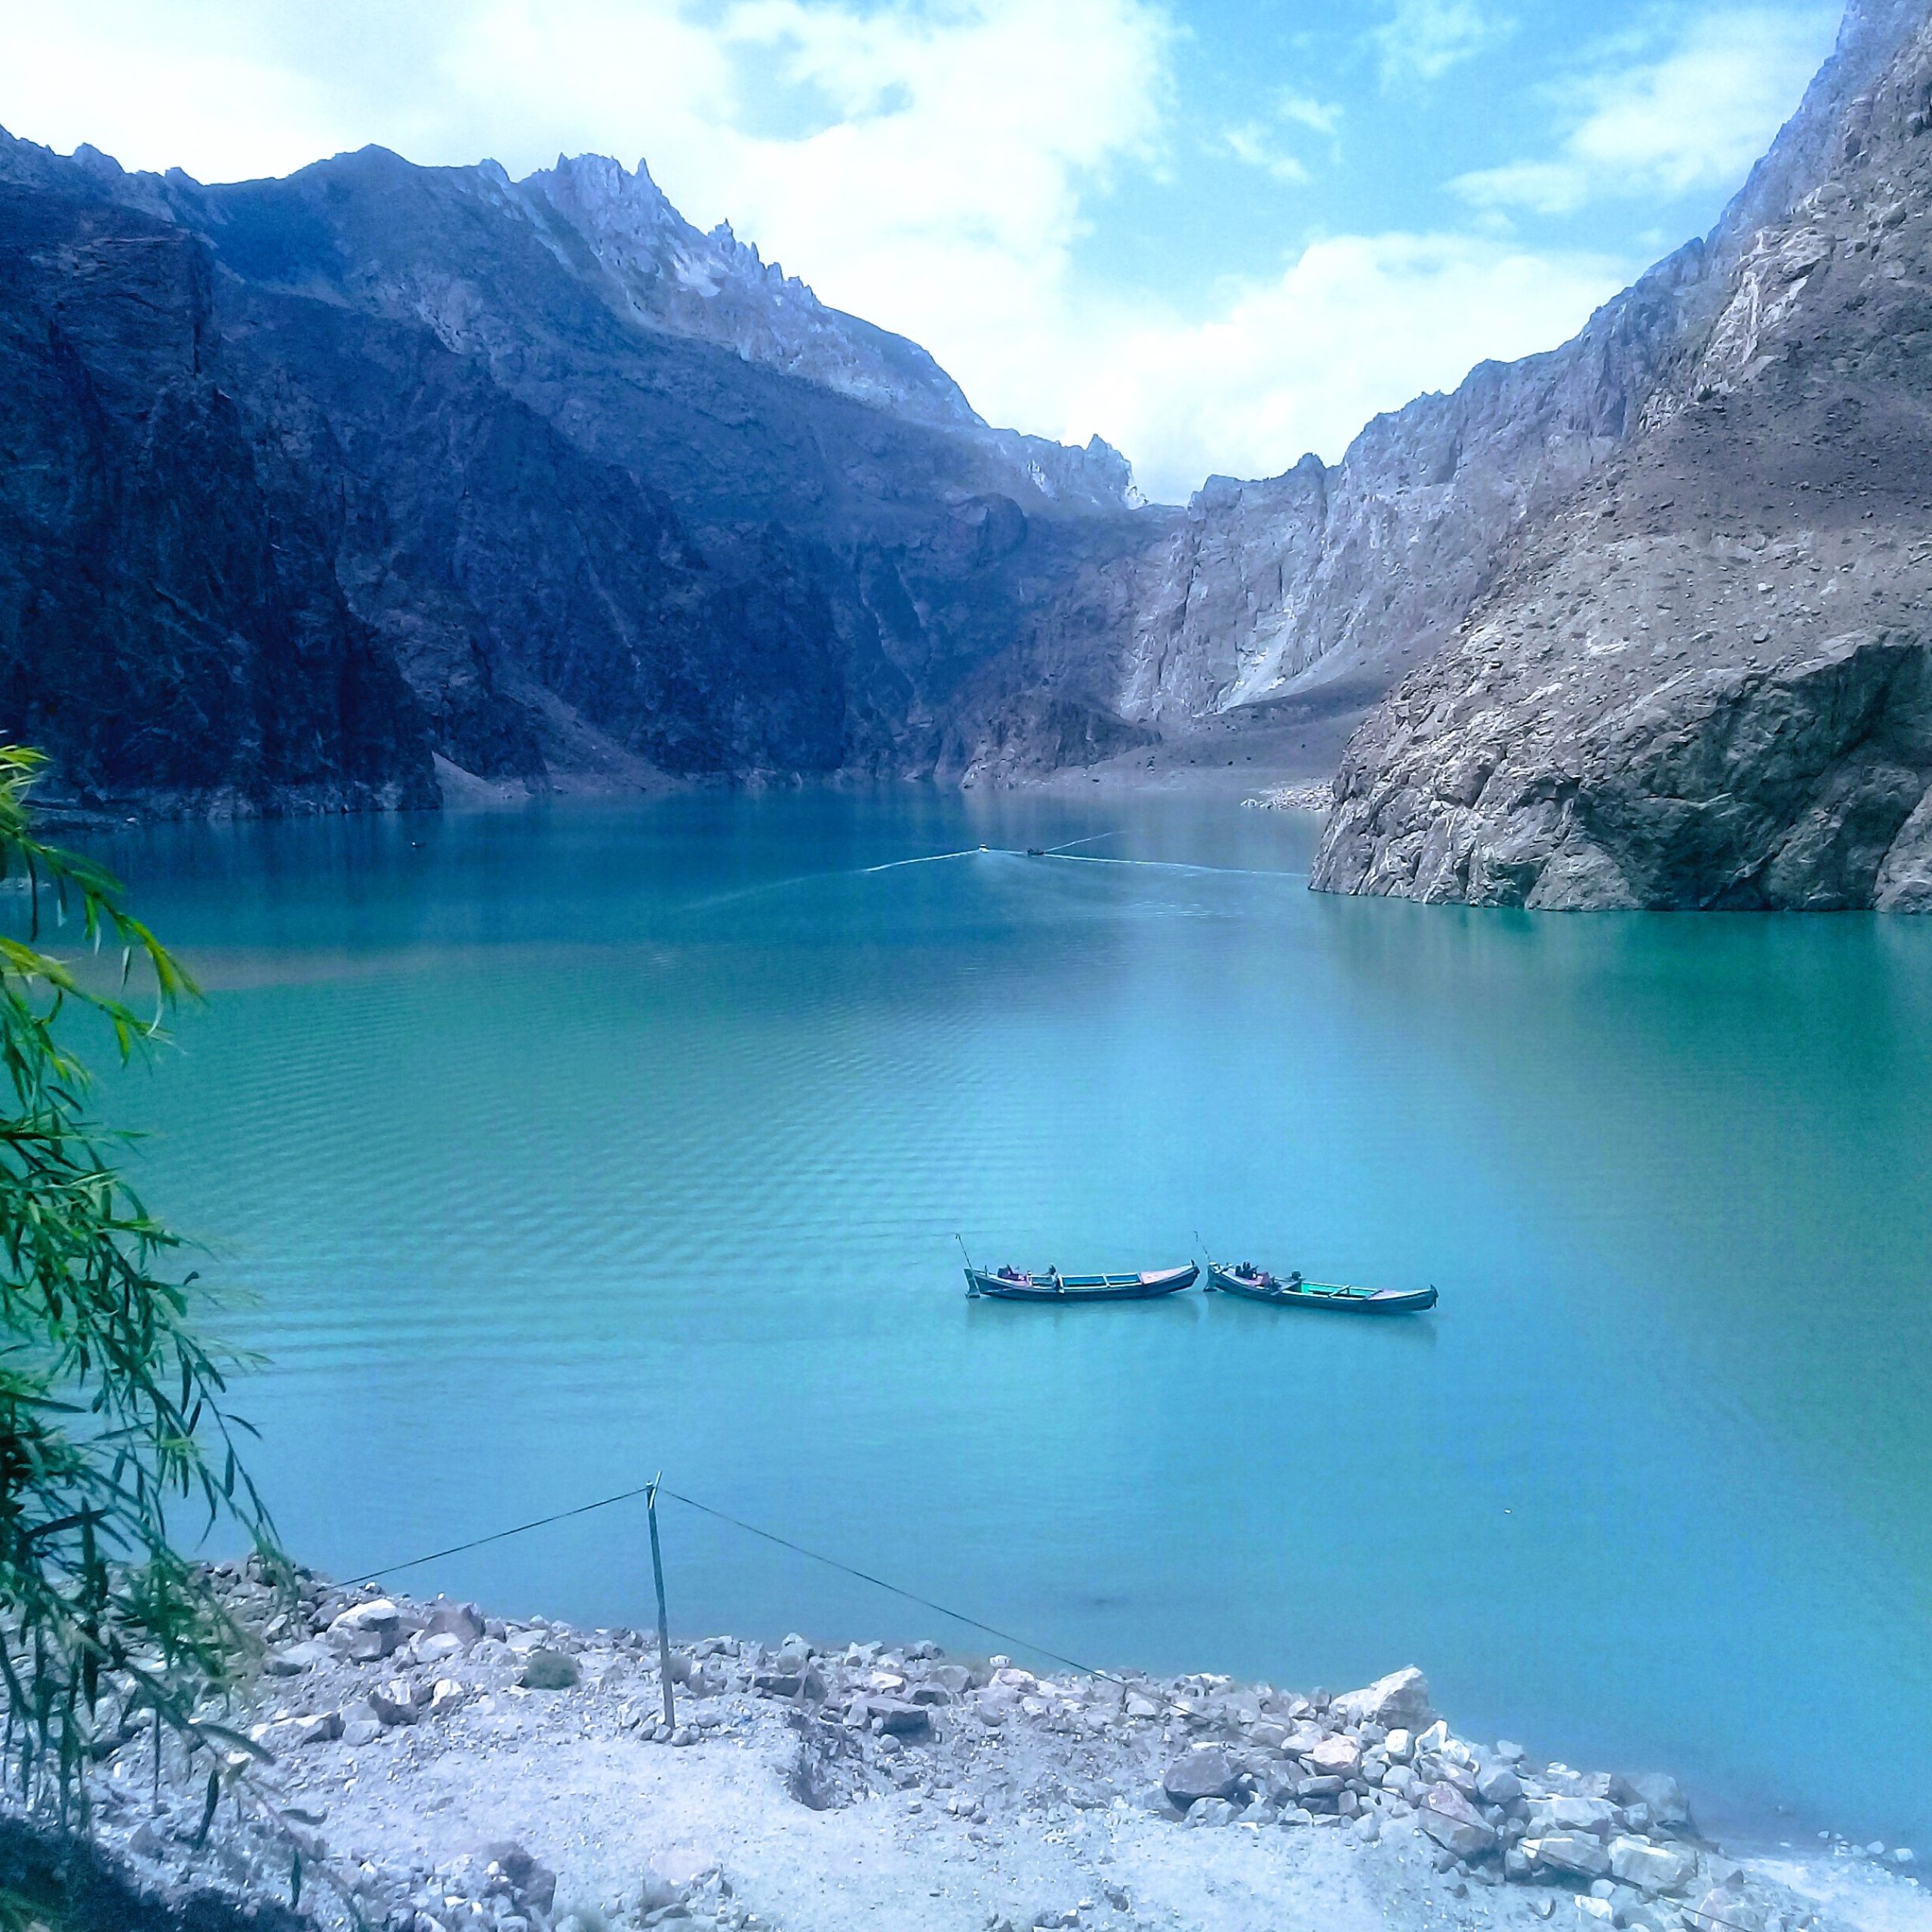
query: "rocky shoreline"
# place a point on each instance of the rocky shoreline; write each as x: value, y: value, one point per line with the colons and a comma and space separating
x: 437, y: 1769
x: 1294, y: 799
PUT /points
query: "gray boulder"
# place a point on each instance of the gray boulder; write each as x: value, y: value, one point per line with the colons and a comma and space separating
x: 893, y: 1717
x: 1661, y: 1796
x: 292, y: 1734
x: 1455, y: 1824
x: 1335, y: 1757
x: 367, y: 1633
x: 399, y: 1702
x: 1651, y: 1868
x: 1597, y: 1815
x: 1721, y: 1909
x: 1205, y: 1772
x: 463, y: 1621
x: 1212, y: 1811
x: 1574, y: 1852
x: 531, y: 1883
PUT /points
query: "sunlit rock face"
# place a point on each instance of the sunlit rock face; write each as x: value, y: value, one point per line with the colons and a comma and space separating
x: 1706, y: 680
x: 543, y: 483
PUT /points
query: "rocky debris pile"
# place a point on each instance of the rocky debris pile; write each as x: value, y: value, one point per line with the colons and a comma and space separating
x: 991, y: 1757
x: 1294, y: 799
x: 1380, y: 1755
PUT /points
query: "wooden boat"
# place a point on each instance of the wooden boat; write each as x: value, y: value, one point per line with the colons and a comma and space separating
x: 1259, y: 1285
x: 1050, y: 1285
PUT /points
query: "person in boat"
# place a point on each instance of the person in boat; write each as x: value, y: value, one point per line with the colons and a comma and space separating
x: 1010, y: 1273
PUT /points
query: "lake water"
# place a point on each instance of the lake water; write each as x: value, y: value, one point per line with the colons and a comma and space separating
x: 565, y: 1147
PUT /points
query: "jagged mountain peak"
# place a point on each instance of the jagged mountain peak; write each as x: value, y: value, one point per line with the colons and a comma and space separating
x: 651, y: 266
x: 667, y: 274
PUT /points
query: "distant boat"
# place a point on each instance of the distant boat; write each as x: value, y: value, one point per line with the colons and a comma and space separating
x: 1257, y: 1285
x: 1051, y: 1285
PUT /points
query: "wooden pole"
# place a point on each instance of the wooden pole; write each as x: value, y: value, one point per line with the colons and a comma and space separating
x: 663, y: 1618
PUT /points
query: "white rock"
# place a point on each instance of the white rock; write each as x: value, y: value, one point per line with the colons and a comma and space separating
x: 366, y: 1632
x: 1402, y: 1698
x: 1653, y: 1868
x: 1552, y: 1815
x: 1399, y: 1747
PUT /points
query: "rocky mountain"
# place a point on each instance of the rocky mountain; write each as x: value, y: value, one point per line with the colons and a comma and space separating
x: 1706, y: 679
x: 355, y: 486
x: 325, y: 487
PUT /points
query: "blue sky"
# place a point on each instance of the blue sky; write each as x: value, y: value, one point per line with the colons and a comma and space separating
x: 1218, y: 234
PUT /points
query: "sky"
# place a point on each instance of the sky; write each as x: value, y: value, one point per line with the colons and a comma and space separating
x: 1218, y: 234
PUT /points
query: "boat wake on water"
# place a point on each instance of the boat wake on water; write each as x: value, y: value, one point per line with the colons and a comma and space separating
x: 1065, y: 854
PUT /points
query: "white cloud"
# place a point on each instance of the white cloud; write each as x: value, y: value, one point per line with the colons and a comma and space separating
x: 945, y: 194
x: 1321, y: 117
x: 1422, y: 39
x: 1358, y: 324
x: 1258, y: 143
x: 1254, y: 144
x: 1696, y: 114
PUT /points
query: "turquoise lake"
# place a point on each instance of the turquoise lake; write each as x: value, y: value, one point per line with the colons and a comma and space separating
x: 562, y: 1146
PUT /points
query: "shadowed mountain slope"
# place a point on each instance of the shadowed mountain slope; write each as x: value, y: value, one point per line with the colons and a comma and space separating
x: 576, y: 493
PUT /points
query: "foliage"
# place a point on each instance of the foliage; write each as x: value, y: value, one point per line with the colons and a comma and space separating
x: 112, y: 1411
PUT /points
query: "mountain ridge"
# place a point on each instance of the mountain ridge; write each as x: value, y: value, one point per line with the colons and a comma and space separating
x: 595, y: 545
x: 1705, y: 680
x: 607, y: 501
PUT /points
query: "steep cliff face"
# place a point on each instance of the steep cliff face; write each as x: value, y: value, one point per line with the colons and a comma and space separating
x: 1353, y: 575
x: 588, y: 492
x: 1707, y: 681
x: 170, y: 620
